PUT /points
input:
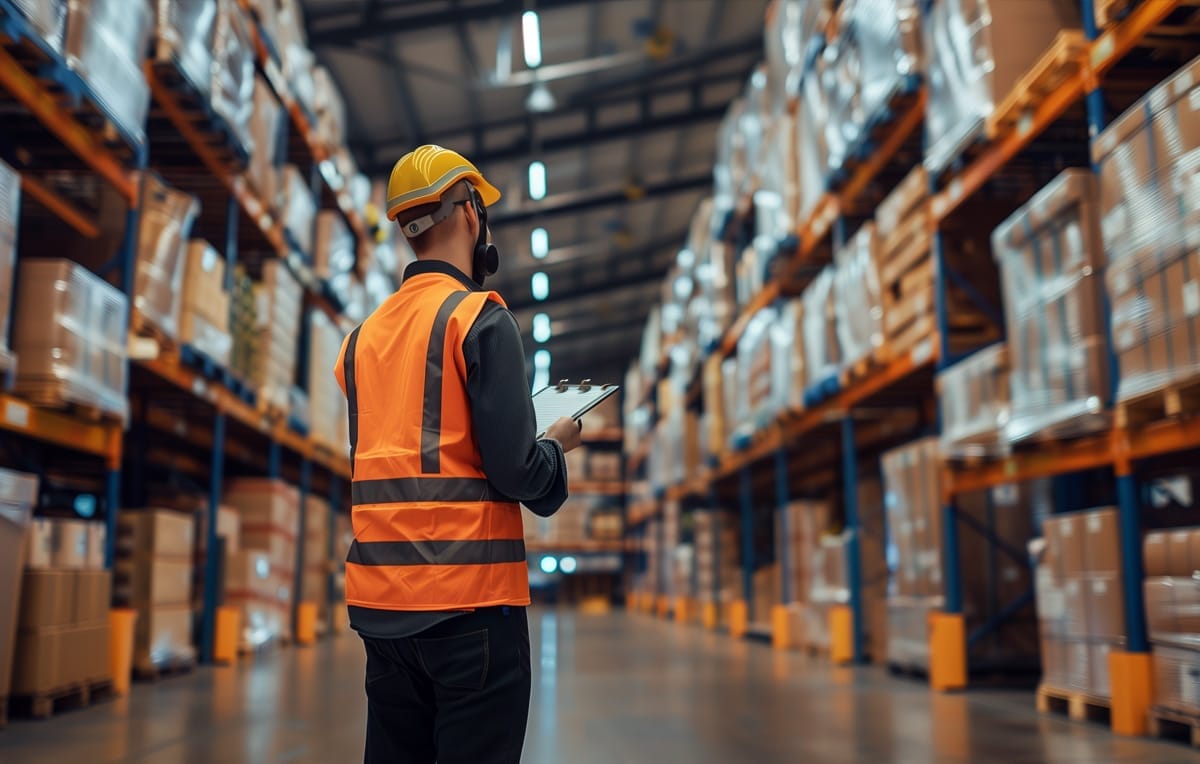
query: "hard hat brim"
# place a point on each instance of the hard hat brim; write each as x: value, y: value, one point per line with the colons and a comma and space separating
x: 432, y: 193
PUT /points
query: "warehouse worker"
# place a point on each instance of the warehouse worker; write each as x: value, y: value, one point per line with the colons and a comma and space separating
x: 442, y: 446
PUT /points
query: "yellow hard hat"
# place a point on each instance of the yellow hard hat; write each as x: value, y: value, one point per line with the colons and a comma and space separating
x: 423, y: 175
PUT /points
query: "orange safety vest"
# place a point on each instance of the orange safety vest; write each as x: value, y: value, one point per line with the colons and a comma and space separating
x: 430, y: 532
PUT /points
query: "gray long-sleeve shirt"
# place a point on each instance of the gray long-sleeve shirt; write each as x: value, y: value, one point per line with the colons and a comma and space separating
x: 533, y: 472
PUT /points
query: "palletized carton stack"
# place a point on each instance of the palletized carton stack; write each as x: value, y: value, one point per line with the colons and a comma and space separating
x: 18, y: 493
x: 1149, y: 161
x: 1081, y: 608
x: 973, y: 396
x: 245, y: 355
x: 1051, y: 259
x: 71, y: 341
x: 105, y: 43
x: 259, y: 578
x: 718, y: 577
x: 1172, y: 587
x: 859, y: 297
x: 153, y: 575
x: 822, y: 351
x: 204, y: 313
x: 326, y: 404
x: 164, y: 226
x: 279, y: 297
x: 183, y: 37
x: 48, y: 18
x: 233, y: 72
x: 299, y: 208
x: 267, y: 129
x: 315, y: 581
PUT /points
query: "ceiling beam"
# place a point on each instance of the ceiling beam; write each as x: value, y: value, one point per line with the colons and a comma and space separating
x: 647, y: 279
x: 345, y: 26
x: 586, y: 110
x: 597, y: 250
x: 582, y: 201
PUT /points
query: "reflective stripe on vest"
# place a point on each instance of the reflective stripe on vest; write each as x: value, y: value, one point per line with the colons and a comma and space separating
x: 430, y: 532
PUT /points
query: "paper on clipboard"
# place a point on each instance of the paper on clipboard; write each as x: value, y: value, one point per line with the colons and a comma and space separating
x: 564, y: 400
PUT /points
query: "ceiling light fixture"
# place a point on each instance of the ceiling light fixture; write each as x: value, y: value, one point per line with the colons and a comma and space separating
x: 539, y: 243
x: 541, y: 327
x: 531, y: 35
x: 537, y: 181
x: 539, y: 285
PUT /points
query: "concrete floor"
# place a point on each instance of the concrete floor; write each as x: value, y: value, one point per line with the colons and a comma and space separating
x: 619, y: 688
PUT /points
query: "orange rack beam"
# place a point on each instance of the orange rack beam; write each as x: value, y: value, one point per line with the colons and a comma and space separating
x: 84, y: 143
x: 61, y: 429
x: 597, y: 487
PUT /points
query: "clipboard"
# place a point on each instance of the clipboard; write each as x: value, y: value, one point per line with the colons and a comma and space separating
x: 567, y: 400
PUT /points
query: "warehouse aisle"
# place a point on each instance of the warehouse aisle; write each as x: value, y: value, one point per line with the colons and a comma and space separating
x: 606, y: 689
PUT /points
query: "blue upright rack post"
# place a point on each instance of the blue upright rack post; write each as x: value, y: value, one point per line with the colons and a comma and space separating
x: 212, y: 578
x: 782, y: 499
x: 854, y: 526
x: 747, y: 495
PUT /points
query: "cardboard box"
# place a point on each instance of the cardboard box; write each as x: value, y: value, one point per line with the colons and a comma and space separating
x: 39, y: 549
x: 97, y: 544
x: 1155, y: 555
x: 71, y: 544
x: 1160, y: 608
x: 47, y: 599
x: 1177, y: 679
x: 38, y: 661
x: 1098, y: 675
x: 1105, y: 608
x: 93, y: 595
x: 146, y: 582
x: 89, y: 643
x: 155, y: 533
x: 1102, y: 541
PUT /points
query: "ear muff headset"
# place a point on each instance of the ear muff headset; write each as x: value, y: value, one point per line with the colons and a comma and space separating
x: 486, y: 260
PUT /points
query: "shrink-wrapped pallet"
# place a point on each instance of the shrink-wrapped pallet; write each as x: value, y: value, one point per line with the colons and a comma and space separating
x: 70, y: 335
x: 184, y: 34
x: 268, y: 134
x: 756, y: 403
x: 327, y: 404
x: 105, y: 43
x: 204, y: 314
x: 164, y: 226
x: 1051, y: 259
x: 1149, y: 162
x: 975, y: 405
x: 48, y: 18
x: 976, y: 51
x: 792, y: 36
x: 330, y: 109
x: 777, y: 199
x: 299, y: 208
x: 858, y: 299
x: 233, y: 72
x: 334, y: 246
x: 822, y: 353
x: 813, y: 151
x: 265, y: 564
x: 10, y: 217
x: 279, y: 298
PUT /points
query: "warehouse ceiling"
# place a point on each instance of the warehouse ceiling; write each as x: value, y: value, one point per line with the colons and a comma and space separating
x: 636, y: 90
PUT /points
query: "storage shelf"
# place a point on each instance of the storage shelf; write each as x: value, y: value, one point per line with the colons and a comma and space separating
x: 98, y: 438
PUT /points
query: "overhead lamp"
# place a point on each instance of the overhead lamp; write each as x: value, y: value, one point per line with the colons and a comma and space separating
x: 541, y: 100
x: 539, y: 285
x: 539, y: 243
x: 541, y: 327
x: 568, y: 565
x: 541, y: 360
x: 537, y: 181
x: 549, y: 565
x: 531, y: 35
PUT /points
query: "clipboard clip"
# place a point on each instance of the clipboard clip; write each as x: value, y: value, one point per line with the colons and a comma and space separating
x: 562, y: 385
x: 585, y: 385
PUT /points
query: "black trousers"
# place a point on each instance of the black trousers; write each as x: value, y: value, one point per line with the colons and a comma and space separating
x: 457, y: 692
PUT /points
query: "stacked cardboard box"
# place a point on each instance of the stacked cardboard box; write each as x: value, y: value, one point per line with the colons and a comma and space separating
x: 72, y: 340
x: 315, y: 581
x: 1172, y: 587
x: 245, y: 355
x: 606, y: 525
x: 259, y: 578
x: 162, y: 248
x: 766, y: 586
x: 718, y: 577
x: 18, y: 493
x: 975, y: 404
x: 279, y: 297
x: 153, y: 574
x: 204, y: 313
x: 1149, y: 161
x: 330, y: 110
x: 975, y: 57
x: 1081, y: 609
x: 682, y: 572
x: 334, y: 248
x: 719, y: 426
x: 822, y: 352
x: 10, y: 215
x: 267, y: 128
x: 827, y: 585
x: 63, y: 632
x: 105, y: 43
x: 798, y: 526
x: 755, y: 402
x: 328, y: 413
x: 1051, y: 256
x: 604, y: 465
x: 858, y: 297
x: 904, y: 263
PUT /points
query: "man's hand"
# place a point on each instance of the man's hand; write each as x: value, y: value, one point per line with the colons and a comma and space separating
x: 567, y: 432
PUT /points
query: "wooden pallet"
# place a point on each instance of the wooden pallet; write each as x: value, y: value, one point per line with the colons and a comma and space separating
x: 68, y: 698
x: 151, y: 672
x: 1076, y: 706
x: 1169, y: 724
x: 48, y: 396
x: 1172, y: 401
x: 1058, y: 64
x: 199, y: 113
x: 1109, y: 12
x: 864, y: 366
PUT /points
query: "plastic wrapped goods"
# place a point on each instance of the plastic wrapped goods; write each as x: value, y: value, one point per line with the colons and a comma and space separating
x: 976, y: 51
x: 204, y: 316
x: 822, y: 354
x: 279, y: 298
x: 48, y: 17
x: 299, y: 208
x: 814, y: 147
x: 334, y: 250
x: 10, y: 216
x: 233, y: 71
x: 975, y: 405
x: 184, y: 34
x: 1175, y: 679
x: 858, y: 300
x: 330, y: 109
x: 1149, y: 162
x: 1051, y: 256
x: 912, y: 482
x: 889, y: 34
x: 163, y: 230
x: 268, y: 131
x: 754, y: 371
x: 70, y: 336
x: 327, y: 404
x: 105, y: 44
x: 792, y: 34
